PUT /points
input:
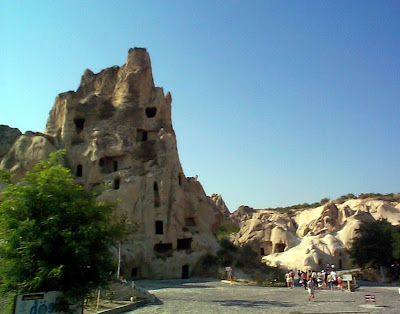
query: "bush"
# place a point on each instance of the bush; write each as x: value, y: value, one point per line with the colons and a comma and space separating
x: 226, y: 229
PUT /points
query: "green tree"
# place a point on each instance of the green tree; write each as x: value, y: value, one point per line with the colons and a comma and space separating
x: 55, y: 235
x: 374, y: 245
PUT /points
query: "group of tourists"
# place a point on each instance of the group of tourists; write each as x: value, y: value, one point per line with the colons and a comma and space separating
x: 311, y: 280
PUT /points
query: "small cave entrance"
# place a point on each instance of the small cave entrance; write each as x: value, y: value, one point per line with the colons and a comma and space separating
x: 280, y: 247
x: 79, y: 123
x: 151, y: 112
x: 180, y: 180
x: 185, y: 272
x: 262, y: 253
x: 184, y: 244
x: 159, y: 227
x: 116, y: 183
x: 157, y: 200
x: 79, y: 171
x: 115, y: 165
x: 340, y: 264
x: 162, y: 247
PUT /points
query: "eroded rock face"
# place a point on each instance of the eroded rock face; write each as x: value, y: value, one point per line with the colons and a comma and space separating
x: 309, y: 239
x: 117, y: 129
x: 7, y: 138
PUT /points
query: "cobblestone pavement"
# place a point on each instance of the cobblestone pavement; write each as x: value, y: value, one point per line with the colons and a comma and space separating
x: 211, y: 296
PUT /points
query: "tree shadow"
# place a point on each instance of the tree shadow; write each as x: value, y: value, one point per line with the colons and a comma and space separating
x: 252, y: 304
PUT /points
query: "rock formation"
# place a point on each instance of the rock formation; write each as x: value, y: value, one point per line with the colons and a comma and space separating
x: 312, y: 238
x: 7, y: 138
x: 117, y: 129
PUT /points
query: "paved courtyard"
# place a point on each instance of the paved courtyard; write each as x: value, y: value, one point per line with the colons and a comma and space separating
x: 211, y: 296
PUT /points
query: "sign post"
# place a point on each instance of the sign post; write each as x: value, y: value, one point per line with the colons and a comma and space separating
x: 349, y: 279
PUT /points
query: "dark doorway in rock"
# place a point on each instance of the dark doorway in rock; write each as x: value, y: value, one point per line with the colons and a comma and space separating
x: 180, y: 180
x: 116, y: 183
x: 340, y: 264
x: 280, y: 247
x: 185, y: 272
x: 144, y: 136
x: 134, y: 273
x: 115, y: 165
x: 262, y: 251
x: 159, y: 227
x: 184, y: 244
x: 79, y: 124
x: 151, y: 112
x: 79, y: 171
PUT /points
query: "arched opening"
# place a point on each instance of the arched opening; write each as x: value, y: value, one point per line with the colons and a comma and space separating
x: 79, y: 122
x: 116, y: 183
x: 151, y: 112
x: 79, y: 171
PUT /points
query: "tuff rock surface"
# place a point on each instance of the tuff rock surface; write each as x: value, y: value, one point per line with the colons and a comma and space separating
x: 311, y: 238
x: 117, y: 129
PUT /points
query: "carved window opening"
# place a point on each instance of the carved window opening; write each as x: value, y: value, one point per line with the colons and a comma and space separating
x: 79, y: 171
x: 340, y: 264
x: 184, y: 244
x: 115, y: 165
x: 185, y: 272
x: 280, y: 247
x: 159, y: 227
x: 142, y: 136
x: 162, y: 247
x: 190, y: 222
x: 157, y: 200
x: 262, y: 251
x: 180, y: 180
x: 116, y: 183
x: 151, y: 112
x: 79, y: 124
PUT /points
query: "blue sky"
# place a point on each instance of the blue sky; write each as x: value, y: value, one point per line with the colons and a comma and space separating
x: 274, y: 102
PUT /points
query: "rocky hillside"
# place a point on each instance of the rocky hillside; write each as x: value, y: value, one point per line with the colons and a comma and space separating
x: 309, y: 238
x: 117, y: 129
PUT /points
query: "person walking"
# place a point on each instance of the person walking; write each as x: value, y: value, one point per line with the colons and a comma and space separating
x: 311, y: 292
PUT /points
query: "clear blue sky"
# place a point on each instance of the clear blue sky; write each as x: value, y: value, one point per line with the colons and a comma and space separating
x: 274, y: 102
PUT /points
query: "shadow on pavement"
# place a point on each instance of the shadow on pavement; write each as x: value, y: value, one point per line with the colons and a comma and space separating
x: 247, y: 303
x: 175, y: 283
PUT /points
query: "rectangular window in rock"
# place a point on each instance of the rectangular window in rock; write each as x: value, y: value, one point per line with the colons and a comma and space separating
x: 163, y: 247
x: 159, y: 227
x: 280, y: 247
x: 184, y: 244
x: 141, y: 136
x: 79, y: 171
x: 185, y: 272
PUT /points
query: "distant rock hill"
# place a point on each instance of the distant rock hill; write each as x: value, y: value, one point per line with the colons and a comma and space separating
x: 309, y: 238
x: 117, y: 129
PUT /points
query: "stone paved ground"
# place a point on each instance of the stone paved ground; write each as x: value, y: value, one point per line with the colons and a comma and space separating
x: 211, y: 296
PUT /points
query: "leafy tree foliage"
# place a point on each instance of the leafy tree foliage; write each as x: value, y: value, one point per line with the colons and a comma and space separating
x: 374, y: 244
x: 226, y: 229
x: 55, y: 235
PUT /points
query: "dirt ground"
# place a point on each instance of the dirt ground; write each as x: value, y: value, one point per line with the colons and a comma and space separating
x: 212, y: 296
